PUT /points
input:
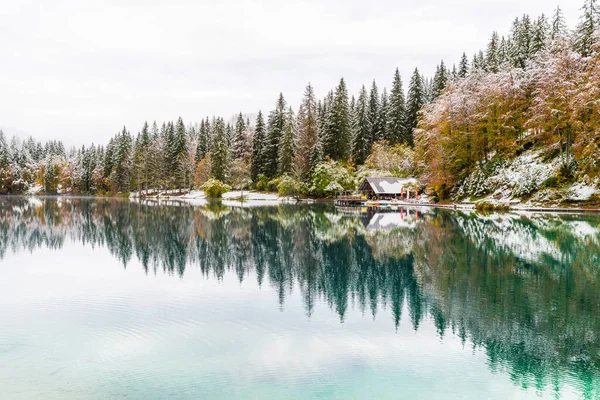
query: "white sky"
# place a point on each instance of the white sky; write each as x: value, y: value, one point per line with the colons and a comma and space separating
x: 80, y: 70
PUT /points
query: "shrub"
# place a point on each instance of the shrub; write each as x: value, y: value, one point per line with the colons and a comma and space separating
x: 551, y: 182
x: 215, y: 188
x: 264, y: 184
x: 326, y: 174
x: 289, y: 186
x: 485, y: 206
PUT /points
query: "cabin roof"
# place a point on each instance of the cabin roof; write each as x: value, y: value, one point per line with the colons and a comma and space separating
x: 386, y: 185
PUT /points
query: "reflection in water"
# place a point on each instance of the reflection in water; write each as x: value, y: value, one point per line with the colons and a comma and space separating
x: 526, y: 288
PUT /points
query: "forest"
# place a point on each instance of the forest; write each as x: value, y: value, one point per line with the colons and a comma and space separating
x: 536, y: 88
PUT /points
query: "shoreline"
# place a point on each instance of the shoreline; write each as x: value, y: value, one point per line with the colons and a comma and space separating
x: 271, y: 198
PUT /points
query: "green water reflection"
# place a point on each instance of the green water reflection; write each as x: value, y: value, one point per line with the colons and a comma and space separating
x: 523, y: 288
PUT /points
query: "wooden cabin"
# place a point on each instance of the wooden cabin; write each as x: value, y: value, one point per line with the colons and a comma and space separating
x: 389, y: 188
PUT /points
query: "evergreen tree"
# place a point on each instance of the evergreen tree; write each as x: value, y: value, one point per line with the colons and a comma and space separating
x: 257, y: 163
x: 361, y: 145
x: 275, y: 124
x: 239, y: 141
x: 415, y: 102
x: 463, y: 67
x: 121, y: 174
x: 396, y: 128
x: 155, y: 157
x: 440, y: 80
x: 589, y: 23
x: 337, y: 139
x: 522, y: 37
x: 307, y: 132
x: 220, y: 151
x: 181, y: 169
x: 383, y: 113
x: 203, y: 145
x: 316, y: 157
x: 539, y: 34
x: 286, y: 147
x: 492, y: 59
x: 503, y: 53
x: 4, y: 152
x: 373, y: 113
x: 559, y: 26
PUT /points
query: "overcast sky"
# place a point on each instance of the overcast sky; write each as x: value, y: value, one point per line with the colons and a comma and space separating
x: 80, y: 70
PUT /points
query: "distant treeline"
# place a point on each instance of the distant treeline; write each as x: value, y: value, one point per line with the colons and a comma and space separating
x: 539, y: 84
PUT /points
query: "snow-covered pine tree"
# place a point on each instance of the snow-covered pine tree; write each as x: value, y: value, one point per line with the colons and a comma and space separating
x: 258, y: 143
x: 121, y: 174
x: 384, y: 106
x: 491, y: 57
x: 307, y: 132
x: 239, y: 140
x: 275, y: 124
x: 396, y: 112
x: 440, y: 80
x: 202, y: 146
x: 540, y: 32
x: 463, y: 66
x: 286, y: 147
x: 589, y: 23
x: 4, y: 152
x: 316, y: 157
x: 415, y: 102
x: 361, y: 145
x: 220, y: 151
x: 558, y: 26
x: 181, y: 170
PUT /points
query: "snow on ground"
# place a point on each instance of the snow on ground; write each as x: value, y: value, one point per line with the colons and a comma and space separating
x: 524, y: 177
x: 581, y: 192
x: 198, y: 197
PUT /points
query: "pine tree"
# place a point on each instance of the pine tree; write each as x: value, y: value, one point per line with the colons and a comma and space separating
x: 337, y: 138
x: 559, y: 26
x: 373, y: 113
x: 539, y: 34
x: 286, y: 147
x: 361, y: 146
x: 503, y: 53
x: 181, y: 170
x: 275, y: 124
x: 203, y: 145
x: 155, y: 158
x: 383, y: 113
x: 307, y: 132
x: 440, y: 80
x: 522, y: 37
x: 491, y: 58
x: 220, y: 151
x: 258, y: 142
x: 414, y: 104
x: 316, y: 157
x: 239, y: 141
x: 397, y: 112
x: 121, y: 174
x: 463, y: 67
x: 4, y: 152
x: 589, y: 23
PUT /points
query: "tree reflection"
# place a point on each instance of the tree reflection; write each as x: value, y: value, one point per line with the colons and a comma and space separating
x: 524, y: 288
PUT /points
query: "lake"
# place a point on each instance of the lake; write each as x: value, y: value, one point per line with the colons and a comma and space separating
x: 107, y: 299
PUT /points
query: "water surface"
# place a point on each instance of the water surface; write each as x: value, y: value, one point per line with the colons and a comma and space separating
x: 104, y: 299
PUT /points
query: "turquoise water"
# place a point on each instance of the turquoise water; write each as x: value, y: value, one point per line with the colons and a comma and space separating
x: 103, y: 299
